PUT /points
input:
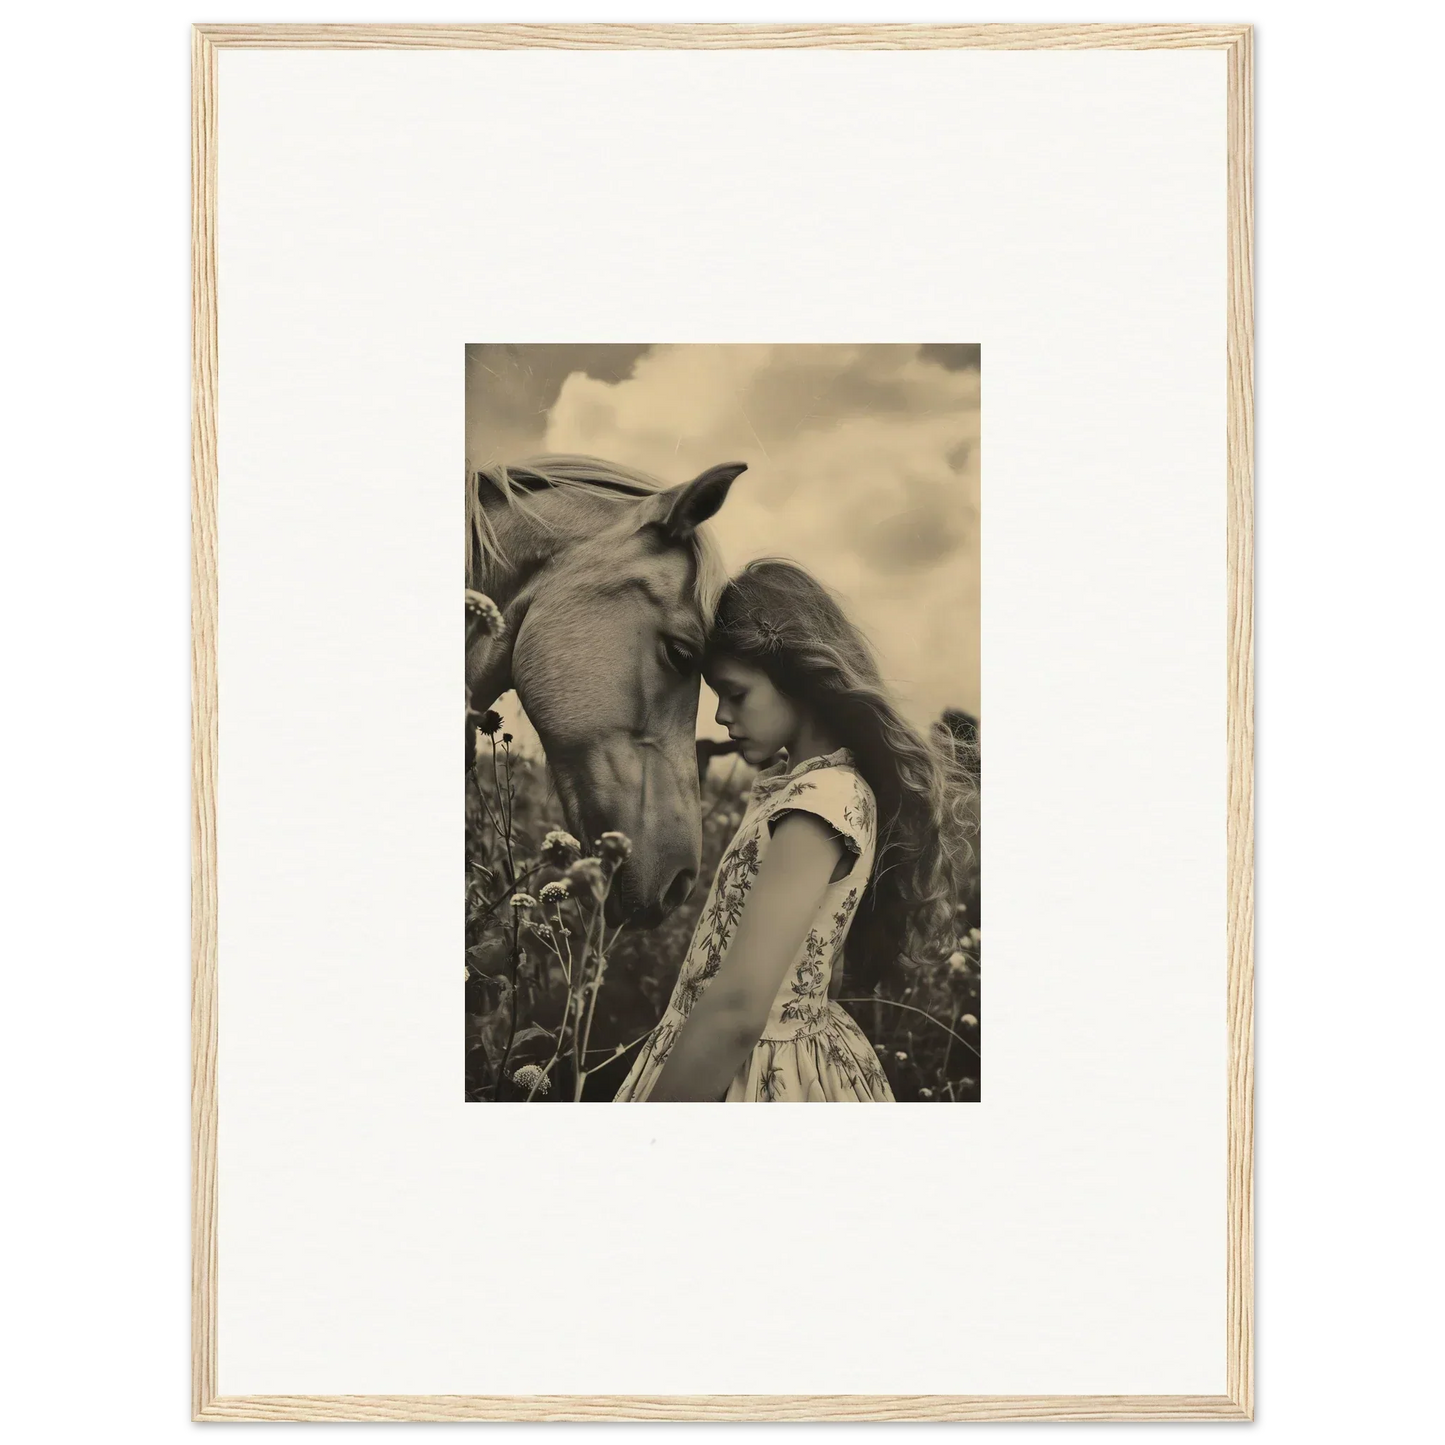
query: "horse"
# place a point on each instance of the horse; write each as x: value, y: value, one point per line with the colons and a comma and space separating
x: 606, y: 579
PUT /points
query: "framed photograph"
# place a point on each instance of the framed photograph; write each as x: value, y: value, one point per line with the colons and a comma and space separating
x: 814, y: 392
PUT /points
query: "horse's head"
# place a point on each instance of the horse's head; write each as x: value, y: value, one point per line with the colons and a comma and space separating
x: 609, y: 635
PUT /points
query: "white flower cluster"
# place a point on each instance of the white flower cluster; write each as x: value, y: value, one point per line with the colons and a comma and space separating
x: 484, y: 614
x: 530, y: 1076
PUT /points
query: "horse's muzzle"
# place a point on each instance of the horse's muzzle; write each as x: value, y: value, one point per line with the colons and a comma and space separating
x: 645, y: 916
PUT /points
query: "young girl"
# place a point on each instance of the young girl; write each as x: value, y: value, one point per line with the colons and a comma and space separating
x: 846, y: 850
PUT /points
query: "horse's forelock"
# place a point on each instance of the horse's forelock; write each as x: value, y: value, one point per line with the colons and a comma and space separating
x: 710, y: 573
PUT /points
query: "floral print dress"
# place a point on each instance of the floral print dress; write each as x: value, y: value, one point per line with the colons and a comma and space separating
x: 811, y: 1049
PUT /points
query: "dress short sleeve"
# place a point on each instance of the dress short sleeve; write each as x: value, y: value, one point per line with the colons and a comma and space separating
x: 839, y: 797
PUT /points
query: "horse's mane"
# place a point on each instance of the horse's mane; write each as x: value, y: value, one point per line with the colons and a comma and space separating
x: 603, y: 480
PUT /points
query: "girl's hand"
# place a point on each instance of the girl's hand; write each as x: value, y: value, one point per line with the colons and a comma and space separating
x: 730, y: 1016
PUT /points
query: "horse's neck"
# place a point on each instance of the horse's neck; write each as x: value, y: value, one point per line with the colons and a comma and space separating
x: 527, y: 547
x: 523, y: 545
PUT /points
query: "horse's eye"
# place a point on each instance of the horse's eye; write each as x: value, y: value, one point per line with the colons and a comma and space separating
x: 678, y: 656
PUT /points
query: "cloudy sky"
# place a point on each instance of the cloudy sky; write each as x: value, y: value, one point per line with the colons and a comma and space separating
x: 862, y: 465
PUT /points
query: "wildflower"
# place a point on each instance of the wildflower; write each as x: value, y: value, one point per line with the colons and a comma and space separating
x: 585, y: 876
x: 880, y: 1049
x: 974, y: 936
x: 506, y: 737
x: 560, y: 848
x: 542, y: 930
x: 522, y: 901
x: 925, y: 1093
x: 614, y: 846
x: 490, y: 721
x: 529, y: 1076
x: 969, y: 1021
x: 484, y: 615
x: 958, y: 963
x: 900, y: 1057
x: 555, y: 892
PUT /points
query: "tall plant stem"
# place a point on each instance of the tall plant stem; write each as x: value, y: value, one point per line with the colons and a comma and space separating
x: 893, y: 1003
x: 487, y: 807
x: 507, y: 832
x: 595, y: 984
x: 556, y: 1053
x: 512, y: 1022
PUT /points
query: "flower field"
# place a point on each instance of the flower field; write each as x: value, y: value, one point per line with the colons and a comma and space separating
x: 557, y: 1002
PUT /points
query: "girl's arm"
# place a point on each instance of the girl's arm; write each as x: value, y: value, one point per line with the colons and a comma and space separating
x: 730, y: 1016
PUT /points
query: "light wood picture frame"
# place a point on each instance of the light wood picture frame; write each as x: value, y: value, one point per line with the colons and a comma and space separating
x: 1237, y: 1402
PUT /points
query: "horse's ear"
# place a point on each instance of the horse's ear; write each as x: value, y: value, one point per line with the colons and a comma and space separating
x: 697, y: 500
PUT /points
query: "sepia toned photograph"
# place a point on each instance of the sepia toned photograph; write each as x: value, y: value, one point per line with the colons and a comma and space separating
x: 723, y: 542
x: 723, y: 723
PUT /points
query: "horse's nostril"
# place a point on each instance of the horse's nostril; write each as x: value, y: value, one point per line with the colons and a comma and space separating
x: 679, y: 888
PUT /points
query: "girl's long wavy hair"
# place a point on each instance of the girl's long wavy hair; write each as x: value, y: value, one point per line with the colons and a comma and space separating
x: 775, y: 616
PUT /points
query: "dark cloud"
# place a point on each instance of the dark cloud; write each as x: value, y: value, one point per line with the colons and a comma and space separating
x: 511, y: 388
x: 955, y: 358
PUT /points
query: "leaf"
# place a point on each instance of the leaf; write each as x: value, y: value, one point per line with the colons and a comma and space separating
x: 495, y: 989
x: 532, y: 1042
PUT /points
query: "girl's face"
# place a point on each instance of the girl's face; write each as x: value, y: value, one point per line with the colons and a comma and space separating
x: 752, y: 709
